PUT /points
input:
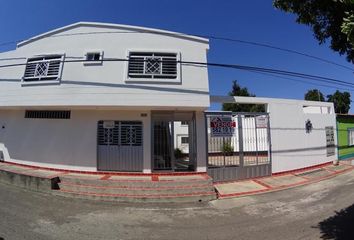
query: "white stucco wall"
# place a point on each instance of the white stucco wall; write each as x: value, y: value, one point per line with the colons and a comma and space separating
x: 63, y: 143
x: 292, y: 147
x: 106, y: 84
x: 72, y: 143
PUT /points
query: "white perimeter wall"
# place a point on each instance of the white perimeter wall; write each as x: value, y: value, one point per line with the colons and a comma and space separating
x: 292, y: 147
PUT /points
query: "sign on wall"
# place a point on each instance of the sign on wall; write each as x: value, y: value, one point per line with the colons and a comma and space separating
x: 330, y: 141
x: 261, y: 121
x: 222, y: 126
x: 108, y: 124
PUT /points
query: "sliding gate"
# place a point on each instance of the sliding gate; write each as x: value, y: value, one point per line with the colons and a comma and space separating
x: 238, y: 145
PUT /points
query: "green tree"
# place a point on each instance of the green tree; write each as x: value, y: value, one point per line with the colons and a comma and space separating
x: 314, y: 95
x: 341, y: 101
x: 237, y: 90
x: 348, y: 27
x: 329, y: 19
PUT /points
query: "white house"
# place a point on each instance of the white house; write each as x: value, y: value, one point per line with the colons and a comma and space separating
x: 58, y: 110
x: 108, y: 97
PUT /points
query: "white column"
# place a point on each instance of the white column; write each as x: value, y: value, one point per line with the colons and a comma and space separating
x: 201, y: 141
x: 147, y: 142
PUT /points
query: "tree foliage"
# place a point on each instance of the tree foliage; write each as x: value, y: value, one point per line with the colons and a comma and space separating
x: 329, y: 19
x: 314, y: 95
x: 341, y: 101
x: 237, y: 90
x: 348, y: 27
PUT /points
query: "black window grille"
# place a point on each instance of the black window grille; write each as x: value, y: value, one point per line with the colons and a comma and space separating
x: 47, y: 114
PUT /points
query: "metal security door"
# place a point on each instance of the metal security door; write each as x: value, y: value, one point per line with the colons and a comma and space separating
x: 167, y: 152
x: 245, y: 151
x: 120, y: 146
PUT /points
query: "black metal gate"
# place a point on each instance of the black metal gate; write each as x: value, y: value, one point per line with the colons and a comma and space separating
x: 238, y: 145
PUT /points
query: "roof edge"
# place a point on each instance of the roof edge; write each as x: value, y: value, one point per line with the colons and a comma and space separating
x: 265, y: 100
x: 112, y: 25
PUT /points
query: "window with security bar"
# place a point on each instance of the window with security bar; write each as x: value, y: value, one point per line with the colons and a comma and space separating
x: 120, y: 133
x: 351, y: 136
x: 131, y: 134
x: 148, y: 65
x: 43, y: 68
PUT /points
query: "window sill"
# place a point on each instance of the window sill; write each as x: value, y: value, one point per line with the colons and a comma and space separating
x: 153, y: 81
x: 40, y: 83
x: 93, y: 63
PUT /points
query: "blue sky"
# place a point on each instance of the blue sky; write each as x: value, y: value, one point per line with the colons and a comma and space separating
x: 248, y: 20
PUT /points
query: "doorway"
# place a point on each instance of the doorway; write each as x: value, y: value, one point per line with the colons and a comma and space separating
x: 120, y: 146
x: 173, y: 141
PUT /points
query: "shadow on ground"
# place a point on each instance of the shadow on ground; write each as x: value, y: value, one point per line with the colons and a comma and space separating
x: 339, y: 226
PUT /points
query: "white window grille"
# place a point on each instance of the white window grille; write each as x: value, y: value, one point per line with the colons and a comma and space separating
x: 44, y: 68
x: 351, y: 136
x: 152, y: 65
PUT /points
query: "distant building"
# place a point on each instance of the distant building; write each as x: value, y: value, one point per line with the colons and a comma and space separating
x: 345, y: 129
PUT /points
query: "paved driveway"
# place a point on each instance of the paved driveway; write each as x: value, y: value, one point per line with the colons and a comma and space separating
x: 298, y: 213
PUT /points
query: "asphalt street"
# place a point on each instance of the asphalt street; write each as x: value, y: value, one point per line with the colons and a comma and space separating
x: 323, y: 210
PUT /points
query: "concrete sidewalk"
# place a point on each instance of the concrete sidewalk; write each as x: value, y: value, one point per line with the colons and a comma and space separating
x: 280, y: 181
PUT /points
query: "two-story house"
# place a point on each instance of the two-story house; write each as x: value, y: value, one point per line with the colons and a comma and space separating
x: 104, y: 97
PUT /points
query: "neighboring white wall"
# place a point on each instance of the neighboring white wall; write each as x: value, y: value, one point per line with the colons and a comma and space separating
x: 63, y: 143
x: 180, y: 131
x: 106, y: 85
x: 292, y: 147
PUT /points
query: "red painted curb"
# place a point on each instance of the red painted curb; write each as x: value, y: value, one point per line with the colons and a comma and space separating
x: 105, y: 177
x: 303, y: 169
x: 283, y: 187
x: 135, y: 188
x: 109, y: 172
x: 262, y: 183
x: 154, y: 178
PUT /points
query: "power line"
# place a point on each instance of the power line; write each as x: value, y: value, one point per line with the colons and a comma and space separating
x: 305, y: 82
x: 276, y: 48
x: 233, y: 66
x: 275, y: 71
x: 234, y: 40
